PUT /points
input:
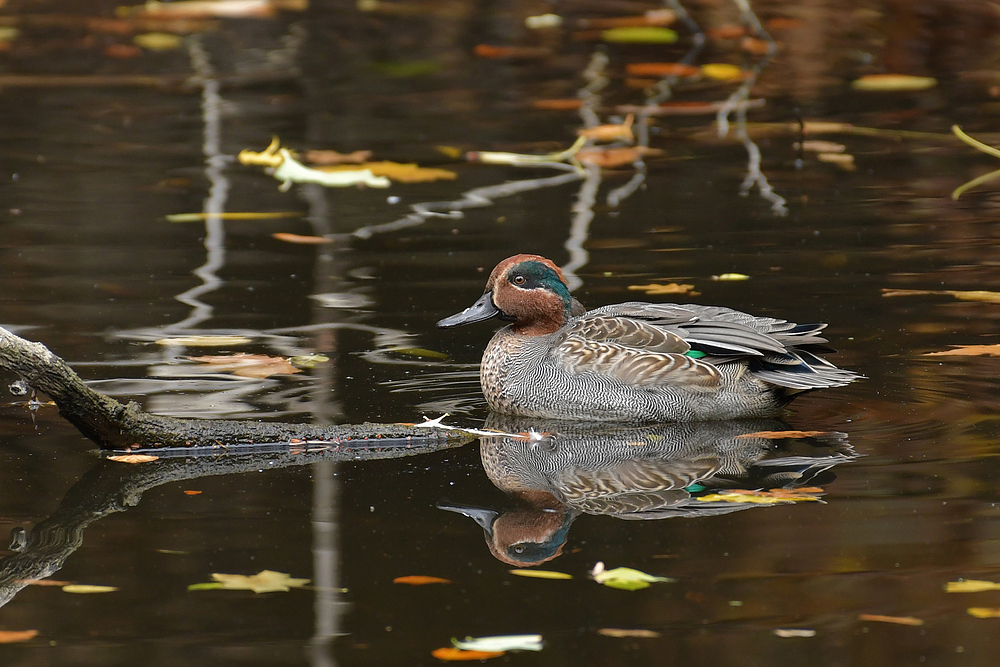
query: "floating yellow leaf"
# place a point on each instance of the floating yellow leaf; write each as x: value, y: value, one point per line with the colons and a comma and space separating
x: 265, y: 581
x: 794, y: 632
x: 292, y: 171
x: 970, y: 586
x: 400, y: 172
x: 722, y: 72
x: 11, y: 636
x: 420, y: 580
x: 133, y: 458
x: 541, y: 574
x: 893, y: 82
x: 624, y: 578
x: 451, y: 653
x: 898, y: 620
x: 967, y: 351
x: 731, y: 277
x: 309, y: 360
x: 269, y: 157
x: 771, y: 497
x: 449, y: 151
x: 7, y: 33
x: 84, y: 589
x: 543, y: 21
x: 984, y: 612
x: 618, y: 632
x: 639, y: 35
x: 158, y: 41
x: 964, y: 295
x: 669, y: 288
x: 500, y: 643
x: 249, y: 365
x: 300, y: 239
x: 205, y: 341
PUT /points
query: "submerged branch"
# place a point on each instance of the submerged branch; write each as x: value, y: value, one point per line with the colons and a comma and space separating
x: 113, y: 425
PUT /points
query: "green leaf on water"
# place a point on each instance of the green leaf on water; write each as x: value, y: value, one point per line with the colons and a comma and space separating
x: 639, y: 35
x: 207, y: 586
x: 625, y: 578
x: 309, y: 360
x: 541, y: 574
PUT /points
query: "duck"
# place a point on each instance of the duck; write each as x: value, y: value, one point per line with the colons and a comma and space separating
x: 636, y: 362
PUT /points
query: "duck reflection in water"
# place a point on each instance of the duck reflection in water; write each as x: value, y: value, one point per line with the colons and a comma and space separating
x: 636, y: 473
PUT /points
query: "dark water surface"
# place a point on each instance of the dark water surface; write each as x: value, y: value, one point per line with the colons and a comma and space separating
x: 90, y: 267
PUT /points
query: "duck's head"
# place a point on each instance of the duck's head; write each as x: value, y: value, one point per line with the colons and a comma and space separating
x: 528, y: 290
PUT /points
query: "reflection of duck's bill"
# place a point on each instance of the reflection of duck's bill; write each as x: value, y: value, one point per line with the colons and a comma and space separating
x: 481, y: 310
x: 481, y: 515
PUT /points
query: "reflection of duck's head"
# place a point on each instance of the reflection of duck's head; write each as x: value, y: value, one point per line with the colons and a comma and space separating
x: 527, y: 535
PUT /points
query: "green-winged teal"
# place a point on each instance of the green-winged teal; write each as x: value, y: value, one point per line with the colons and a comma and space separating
x: 635, y: 361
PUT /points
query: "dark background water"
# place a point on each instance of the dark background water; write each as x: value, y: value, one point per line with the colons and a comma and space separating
x: 90, y: 267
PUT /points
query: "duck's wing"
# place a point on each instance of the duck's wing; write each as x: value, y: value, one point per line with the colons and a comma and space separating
x: 633, y: 351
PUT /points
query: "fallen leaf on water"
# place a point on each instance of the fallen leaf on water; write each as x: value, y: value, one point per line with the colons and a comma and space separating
x: 843, y: 160
x: 964, y: 295
x: 458, y: 654
x: 618, y: 632
x: 333, y: 157
x: 543, y: 21
x: 970, y: 586
x: 420, y: 580
x: 661, y: 69
x: 248, y: 365
x: 757, y: 47
x: 727, y: 32
x: 236, y: 215
x: 449, y: 151
x: 898, y: 620
x: 497, y: 157
x: 292, y: 171
x: 8, y: 33
x: 639, y: 35
x: 821, y: 146
x: 615, y: 157
x: 158, y: 41
x: 778, y: 435
x: 269, y: 157
x: 783, y: 23
x: 190, y: 492
x: 722, y: 72
x: 794, y: 632
x: 614, y: 132
x: 772, y: 497
x: 541, y: 574
x: 567, y: 104
x: 669, y: 288
x: 205, y: 341
x: 133, y: 458
x: 967, y: 351
x: 402, y: 173
x: 300, y: 239
x: 984, y: 612
x: 731, y: 276
x: 418, y: 352
x: 513, y: 52
x: 265, y: 581
x: 11, y: 636
x: 309, y: 360
x: 624, y: 578
x: 122, y: 51
x: 500, y: 643
x: 893, y: 82
x: 84, y: 589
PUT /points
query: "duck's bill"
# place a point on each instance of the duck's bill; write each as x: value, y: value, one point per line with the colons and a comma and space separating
x: 481, y: 515
x: 481, y: 310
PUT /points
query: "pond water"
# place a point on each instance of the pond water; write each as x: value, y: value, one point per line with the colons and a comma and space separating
x: 100, y: 142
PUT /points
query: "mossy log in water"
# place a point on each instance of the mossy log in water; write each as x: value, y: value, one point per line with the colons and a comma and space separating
x: 113, y: 425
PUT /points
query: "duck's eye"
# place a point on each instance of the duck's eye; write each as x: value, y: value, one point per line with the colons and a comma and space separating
x: 518, y: 549
x: 519, y: 280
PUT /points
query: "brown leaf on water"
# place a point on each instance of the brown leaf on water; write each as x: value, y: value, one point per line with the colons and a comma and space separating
x: 122, y: 51
x: 609, y: 158
x: 511, y: 52
x: 669, y: 288
x: 420, y: 580
x: 333, y: 157
x: 613, y: 132
x: 756, y: 47
x: 400, y: 172
x: 783, y: 23
x: 727, y: 32
x: 778, y: 435
x: 967, y: 351
x: 898, y: 620
x: 450, y: 653
x: 133, y: 458
x: 191, y: 492
x: 964, y: 295
x: 249, y: 365
x: 984, y: 612
x: 661, y: 69
x: 302, y: 240
x: 565, y: 104
x: 11, y: 636
x: 620, y: 632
